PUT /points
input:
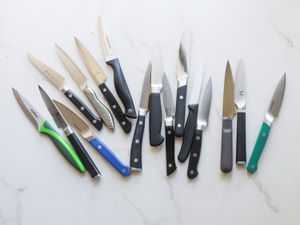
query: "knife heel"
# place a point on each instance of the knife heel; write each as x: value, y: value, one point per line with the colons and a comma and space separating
x: 226, y: 149
x: 180, y: 111
x: 241, y: 139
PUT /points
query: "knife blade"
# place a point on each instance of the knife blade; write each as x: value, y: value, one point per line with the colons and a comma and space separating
x: 240, y: 103
x: 192, y: 118
x: 137, y: 140
x: 270, y: 116
x: 169, y: 130
x: 119, y: 78
x: 228, y: 114
x: 59, y: 82
x: 202, y: 123
x: 75, y: 142
x: 80, y: 80
x: 84, y: 130
x: 45, y: 128
x: 155, y: 117
x: 182, y: 78
x: 99, y: 77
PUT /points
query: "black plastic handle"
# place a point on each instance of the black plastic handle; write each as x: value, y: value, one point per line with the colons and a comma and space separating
x: 188, y: 132
x: 155, y: 120
x: 241, y: 138
x: 195, y: 155
x: 226, y: 149
x: 170, y: 155
x: 180, y: 111
x: 122, y: 88
x: 136, y: 145
x: 115, y: 107
x: 94, y: 120
x: 84, y: 156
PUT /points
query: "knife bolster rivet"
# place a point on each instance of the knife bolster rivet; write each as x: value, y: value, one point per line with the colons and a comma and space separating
x: 170, y: 165
x: 179, y: 125
x: 123, y: 123
x: 81, y: 108
x: 195, y: 155
x: 130, y: 110
x: 104, y: 90
x: 70, y: 95
x: 181, y: 97
x: 137, y: 141
x: 197, y: 138
x: 114, y: 106
x: 141, y: 122
x: 94, y: 121
x: 169, y: 132
x: 136, y: 160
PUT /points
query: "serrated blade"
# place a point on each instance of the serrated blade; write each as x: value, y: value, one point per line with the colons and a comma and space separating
x: 240, y: 87
x: 157, y: 70
x: 183, y: 57
x: 196, y: 89
x: 72, y: 68
x: 93, y: 67
x: 167, y: 96
x: 56, y: 115
x: 204, y: 105
x: 55, y: 78
x: 146, y: 89
x: 33, y: 115
x: 277, y: 98
x: 228, y: 97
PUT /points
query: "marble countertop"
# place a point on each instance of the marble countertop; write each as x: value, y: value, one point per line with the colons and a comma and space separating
x: 38, y: 187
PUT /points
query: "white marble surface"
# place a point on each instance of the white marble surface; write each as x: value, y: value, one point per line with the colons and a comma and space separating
x: 38, y: 187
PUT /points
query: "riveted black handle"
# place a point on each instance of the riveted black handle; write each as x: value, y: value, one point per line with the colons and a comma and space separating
x: 195, y: 155
x: 188, y: 133
x: 226, y: 149
x: 170, y: 155
x: 86, y: 112
x: 122, y: 88
x: 155, y: 120
x: 116, y: 109
x: 180, y: 111
x: 241, y: 138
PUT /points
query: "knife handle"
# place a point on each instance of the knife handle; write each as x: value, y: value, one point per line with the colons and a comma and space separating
x: 241, y: 138
x: 101, y: 109
x: 195, y: 155
x: 84, y: 156
x: 170, y: 155
x: 115, y: 107
x: 110, y: 157
x: 226, y: 149
x: 94, y: 120
x: 180, y: 111
x: 258, y: 148
x: 189, y: 130
x: 65, y: 149
x: 122, y: 88
x: 136, y: 145
x: 155, y: 120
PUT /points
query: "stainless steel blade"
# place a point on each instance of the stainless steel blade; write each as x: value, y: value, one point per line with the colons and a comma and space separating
x: 167, y: 96
x: 204, y: 106
x: 93, y: 67
x: 146, y: 89
x: 195, y: 95
x: 228, y: 97
x: 33, y: 115
x: 72, y: 68
x: 157, y: 70
x: 183, y: 59
x: 240, y: 87
x: 56, y: 79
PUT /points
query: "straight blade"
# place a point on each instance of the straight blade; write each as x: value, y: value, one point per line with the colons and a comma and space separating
x: 228, y: 97
x: 146, y: 89
x: 56, y: 79
x: 204, y: 106
x: 157, y: 70
x: 195, y: 95
x: 93, y: 67
x: 183, y: 57
x: 240, y: 87
x: 167, y: 96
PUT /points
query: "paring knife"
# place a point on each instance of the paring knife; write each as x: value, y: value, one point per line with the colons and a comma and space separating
x: 202, y: 123
x: 61, y: 123
x: 155, y: 117
x: 112, y: 60
x: 191, y: 121
x: 85, y: 132
x: 59, y: 82
x: 81, y: 81
x: 45, y: 128
x: 182, y: 78
x: 228, y: 114
x: 137, y: 140
x: 271, y: 115
x: 99, y: 77
x: 169, y: 130
x: 240, y: 102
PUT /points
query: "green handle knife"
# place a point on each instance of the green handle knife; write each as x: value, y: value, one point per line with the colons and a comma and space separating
x: 272, y: 113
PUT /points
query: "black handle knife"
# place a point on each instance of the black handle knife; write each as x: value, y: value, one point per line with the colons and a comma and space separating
x: 180, y: 110
x: 170, y: 155
x: 226, y: 153
x: 241, y: 138
x: 155, y: 120
x: 195, y: 155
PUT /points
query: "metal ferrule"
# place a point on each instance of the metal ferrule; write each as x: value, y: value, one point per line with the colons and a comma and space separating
x: 64, y: 89
x: 87, y: 135
x: 269, y: 119
x: 182, y: 80
x: 156, y: 88
x: 110, y: 57
x: 241, y: 110
x: 143, y: 112
x: 169, y: 121
x: 201, y: 125
x: 68, y: 131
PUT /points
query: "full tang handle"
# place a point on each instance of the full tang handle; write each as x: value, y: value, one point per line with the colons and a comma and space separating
x: 188, y: 133
x: 195, y: 155
x: 65, y: 149
x: 258, y: 148
x: 155, y: 119
x: 170, y: 155
x: 116, y: 109
x: 226, y: 149
x: 122, y: 88
x: 180, y: 111
x: 136, y: 145
x: 84, y: 156
x: 94, y: 120
x: 241, y: 138
x: 101, y: 109
x: 110, y: 157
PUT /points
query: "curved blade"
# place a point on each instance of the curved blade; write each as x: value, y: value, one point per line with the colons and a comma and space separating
x: 228, y: 97
x: 239, y: 87
x: 167, y: 96
x: 183, y: 56
x: 204, y: 105
x: 146, y: 89
x: 195, y: 95
x: 276, y: 101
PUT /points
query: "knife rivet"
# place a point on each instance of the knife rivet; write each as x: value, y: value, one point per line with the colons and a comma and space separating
x: 123, y: 170
x: 179, y: 125
x: 104, y: 90
x: 123, y: 123
x: 169, y: 132
x: 180, y: 97
x: 94, y: 121
x: 170, y: 165
x: 194, y: 155
x: 99, y: 146
x: 114, y: 106
x: 70, y: 95
x: 82, y: 108
x: 264, y: 135
x: 197, y: 138
x: 191, y: 171
x: 137, y: 141
x: 141, y: 122
x: 135, y: 160
x: 130, y: 110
